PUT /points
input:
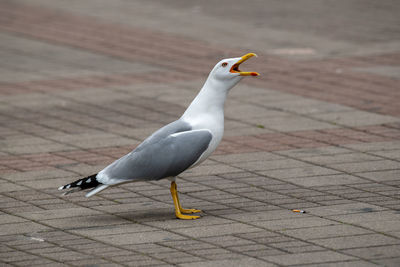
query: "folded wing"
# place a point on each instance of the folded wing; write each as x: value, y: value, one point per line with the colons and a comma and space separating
x: 162, y: 158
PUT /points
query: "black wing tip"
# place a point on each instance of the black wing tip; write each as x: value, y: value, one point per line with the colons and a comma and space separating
x: 84, y: 183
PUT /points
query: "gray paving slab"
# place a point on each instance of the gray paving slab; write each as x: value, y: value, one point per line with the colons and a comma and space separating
x: 326, y: 180
x: 356, y: 241
x: 390, y: 71
x: 325, y: 231
x: 293, y: 223
x: 238, y: 262
x: 355, y: 118
x: 310, y: 257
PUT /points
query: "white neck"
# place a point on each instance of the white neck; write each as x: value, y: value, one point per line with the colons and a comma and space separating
x: 210, y: 99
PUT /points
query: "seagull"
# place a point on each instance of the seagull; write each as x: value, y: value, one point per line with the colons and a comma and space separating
x: 179, y: 145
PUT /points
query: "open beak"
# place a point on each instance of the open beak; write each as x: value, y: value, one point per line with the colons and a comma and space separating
x: 235, y: 67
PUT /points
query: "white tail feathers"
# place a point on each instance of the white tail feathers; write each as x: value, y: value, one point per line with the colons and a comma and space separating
x: 96, y: 190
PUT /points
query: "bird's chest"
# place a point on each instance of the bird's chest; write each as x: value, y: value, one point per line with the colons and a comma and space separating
x: 215, y: 124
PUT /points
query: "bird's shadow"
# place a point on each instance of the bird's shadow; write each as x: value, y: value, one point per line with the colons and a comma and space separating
x: 147, y: 215
x: 126, y: 217
x: 109, y: 221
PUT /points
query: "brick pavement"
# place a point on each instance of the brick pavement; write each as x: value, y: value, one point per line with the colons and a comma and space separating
x: 318, y: 132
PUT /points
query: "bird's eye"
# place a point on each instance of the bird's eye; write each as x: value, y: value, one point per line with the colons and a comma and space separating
x: 224, y: 64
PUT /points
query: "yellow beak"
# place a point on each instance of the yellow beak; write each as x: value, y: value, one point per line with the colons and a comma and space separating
x: 235, y: 67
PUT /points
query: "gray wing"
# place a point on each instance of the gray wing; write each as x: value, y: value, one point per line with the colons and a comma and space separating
x: 171, y: 128
x: 161, y: 158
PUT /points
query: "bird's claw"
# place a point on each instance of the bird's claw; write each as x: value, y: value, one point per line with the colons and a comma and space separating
x: 189, y: 210
x: 186, y: 217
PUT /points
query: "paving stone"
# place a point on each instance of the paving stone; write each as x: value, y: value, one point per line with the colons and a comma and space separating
x: 177, y: 224
x: 293, y: 123
x: 388, y: 262
x: 293, y: 223
x: 350, y: 263
x: 315, y: 152
x: 261, y: 216
x: 386, y: 226
x: 325, y: 231
x: 270, y: 164
x: 378, y: 252
x: 205, y: 231
x: 85, y: 221
x: 55, y: 214
x: 309, y: 257
x: 347, y: 208
x: 245, y: 157
x: 227, y: 240
x: 367, y: 216
x: 341, y: 158
x: 244, y: 261
x: 326, y: 180
x: 113, y: 230
x: 303, y: 249
x: 204, y: 170
x: 367, y: 166
x: 139, y: 238
x: 22, y: 228
x: 355, y: 118
x: 356, y: 241
x: 298, y: 172
x: 10, y: 187
x: 392, y: 154
x: 378, y: 146
x: 380, y: 176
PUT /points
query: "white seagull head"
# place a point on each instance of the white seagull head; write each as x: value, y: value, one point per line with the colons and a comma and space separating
x: 227, y: 71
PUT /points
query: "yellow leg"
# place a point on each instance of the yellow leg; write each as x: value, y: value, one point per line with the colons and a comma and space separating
x: 178, y: 208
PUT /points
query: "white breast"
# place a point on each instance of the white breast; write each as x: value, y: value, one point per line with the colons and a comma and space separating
x: 215, y: 124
